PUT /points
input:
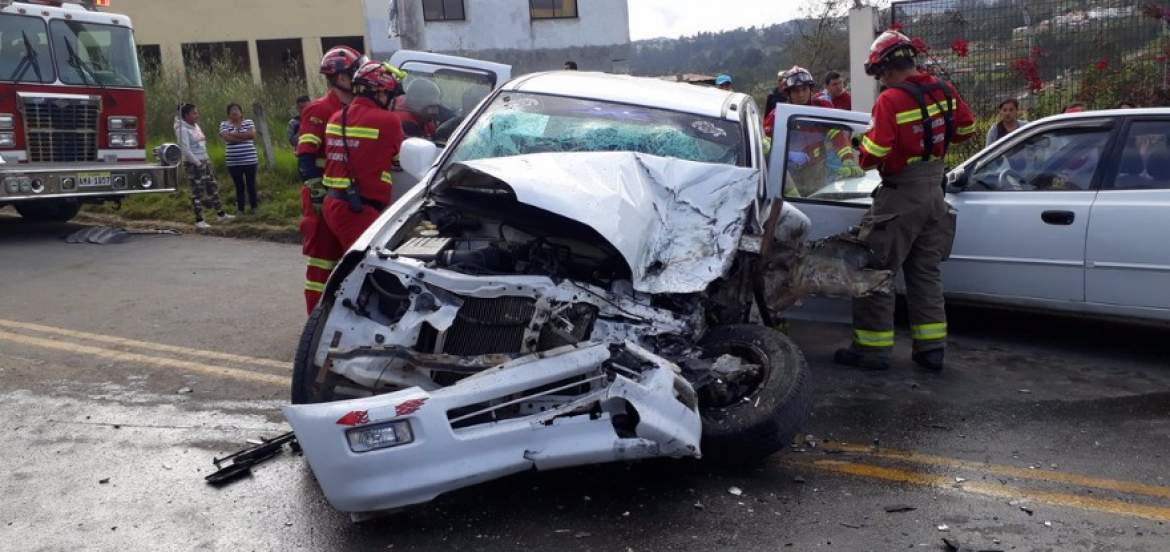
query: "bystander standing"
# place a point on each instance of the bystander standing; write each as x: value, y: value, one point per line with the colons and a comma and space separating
x: 193, y: 143
x: 1009, y: 120
x: 293, y: 133
x: 239, y: 134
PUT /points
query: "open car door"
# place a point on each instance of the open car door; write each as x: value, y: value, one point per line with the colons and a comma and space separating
x: 804, y: 168
x: 441, y: 92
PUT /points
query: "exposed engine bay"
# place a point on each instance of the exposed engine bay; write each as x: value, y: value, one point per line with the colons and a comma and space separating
x: 576, y: 308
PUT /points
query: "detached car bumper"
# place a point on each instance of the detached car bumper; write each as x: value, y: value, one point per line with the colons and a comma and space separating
x: 570, y: 406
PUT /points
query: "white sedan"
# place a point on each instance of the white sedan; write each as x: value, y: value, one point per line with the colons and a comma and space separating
x: 1068, y: 214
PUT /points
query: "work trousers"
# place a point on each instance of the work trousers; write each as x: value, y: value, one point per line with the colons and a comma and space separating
x: 320, y: 247
x: 909, y: 227
x: 244, y: 177
x: 204, y: 188
x: 346, y: 225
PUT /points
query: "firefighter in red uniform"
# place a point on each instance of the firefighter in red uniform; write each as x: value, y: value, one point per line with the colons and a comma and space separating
x: 910, y: 226
x: 808, y: 154
x: 361, y: 142
x: 318, y: 245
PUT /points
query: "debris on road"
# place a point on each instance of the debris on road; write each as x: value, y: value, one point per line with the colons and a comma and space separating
x: 899, y: 508
x: 103, y: 481
x: 1026, y: 391
x: 582, y: 534
x: 735, y: 491
x: 850, y: 525
x: 944, y: 527
x: 953, y: 545
x: 105, y: 235
x: 243, y: 461
x: 699, y: 506
x: 185, y: 391
x: 1026, y: 510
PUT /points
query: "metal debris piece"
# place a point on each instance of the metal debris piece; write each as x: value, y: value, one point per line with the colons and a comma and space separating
x: 944, y: 527
x: 1026, y: 510
x: 105, y: 235
x: 1048, y: 524
x: 241, y: 462
x: 735, y: 491
x: 850, y: 525
x: 1026, y: 391
x: 898, y: 508
x: 185, y: 390
x: 699, y: 506
x: 103, y: 481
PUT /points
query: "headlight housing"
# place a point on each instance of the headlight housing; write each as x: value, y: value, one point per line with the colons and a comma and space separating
x: 123, y: 140
x: 7, y: 140
x: 123, y: 123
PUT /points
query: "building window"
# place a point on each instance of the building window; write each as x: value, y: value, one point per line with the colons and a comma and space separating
x: 443, y: 10
x: 281, y: 60
x: 205, y: 55
x: 150, y: 58
x: 356, y: 42
x: 552, y: 9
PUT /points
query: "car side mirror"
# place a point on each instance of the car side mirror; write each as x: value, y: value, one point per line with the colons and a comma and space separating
x: 956, y: 181
x: 417, y: 155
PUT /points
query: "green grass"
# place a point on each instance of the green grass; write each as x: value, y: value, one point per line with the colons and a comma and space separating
x: 211, y: 89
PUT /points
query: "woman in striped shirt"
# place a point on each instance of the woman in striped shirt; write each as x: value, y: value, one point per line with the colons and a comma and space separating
x: 240, y: 135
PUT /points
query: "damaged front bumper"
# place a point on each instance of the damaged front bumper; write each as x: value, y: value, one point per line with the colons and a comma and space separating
x: 571, y: 406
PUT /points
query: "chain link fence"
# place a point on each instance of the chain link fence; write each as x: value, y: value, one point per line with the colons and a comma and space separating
x: 1047, y: 54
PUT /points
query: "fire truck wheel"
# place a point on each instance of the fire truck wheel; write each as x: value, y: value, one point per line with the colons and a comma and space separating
x: 48, y: 210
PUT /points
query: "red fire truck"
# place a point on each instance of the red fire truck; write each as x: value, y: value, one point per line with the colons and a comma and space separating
x: 71, y: 111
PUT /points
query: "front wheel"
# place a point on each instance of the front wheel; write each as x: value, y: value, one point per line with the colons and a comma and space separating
x: 761, y: 398
x: 304, y: 377
x: 48, y: 210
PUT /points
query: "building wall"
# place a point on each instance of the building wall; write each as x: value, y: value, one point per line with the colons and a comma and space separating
x: 171, y: 23
x: 503, y: 30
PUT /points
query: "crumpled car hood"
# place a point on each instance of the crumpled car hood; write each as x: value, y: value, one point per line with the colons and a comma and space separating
x: 677, y: 223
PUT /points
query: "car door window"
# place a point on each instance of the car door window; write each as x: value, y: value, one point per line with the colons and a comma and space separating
x: 1145, y: 158
x: 444, y: 96
x: 1061, y: 159
x: 821, y: 163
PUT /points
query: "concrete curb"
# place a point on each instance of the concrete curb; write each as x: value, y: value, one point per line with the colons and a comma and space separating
x: 234, y: 229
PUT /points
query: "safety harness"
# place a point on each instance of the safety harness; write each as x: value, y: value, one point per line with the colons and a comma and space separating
x: 920, y: 93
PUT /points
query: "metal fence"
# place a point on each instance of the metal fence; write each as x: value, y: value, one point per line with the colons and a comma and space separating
x: 1045, y: 53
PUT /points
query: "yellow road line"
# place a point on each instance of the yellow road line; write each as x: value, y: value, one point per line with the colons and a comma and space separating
x: 122, y: 356
x: 13, y: 324
x: 1155, y: 513
x: 1129, y: 487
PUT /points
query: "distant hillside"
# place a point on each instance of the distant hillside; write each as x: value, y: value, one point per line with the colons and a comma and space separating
x: 751, y: 56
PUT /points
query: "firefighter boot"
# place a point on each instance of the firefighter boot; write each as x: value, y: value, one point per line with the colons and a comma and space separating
x: 930, y: 360
x: 876, y: 360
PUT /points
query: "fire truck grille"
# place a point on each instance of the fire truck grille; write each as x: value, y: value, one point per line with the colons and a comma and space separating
x: 61, y: 129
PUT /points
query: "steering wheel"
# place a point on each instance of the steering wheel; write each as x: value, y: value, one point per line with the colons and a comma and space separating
x: 1009, y: 179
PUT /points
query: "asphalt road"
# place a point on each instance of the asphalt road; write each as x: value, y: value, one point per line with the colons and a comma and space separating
x: 1043, y: 434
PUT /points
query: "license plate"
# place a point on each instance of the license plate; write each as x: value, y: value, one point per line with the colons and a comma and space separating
x: 93, y: 180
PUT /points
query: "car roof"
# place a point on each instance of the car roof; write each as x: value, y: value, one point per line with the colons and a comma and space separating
x: 1097, y: 114
x: 643, y: 91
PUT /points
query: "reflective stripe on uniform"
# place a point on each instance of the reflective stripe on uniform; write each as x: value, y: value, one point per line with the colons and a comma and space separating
x: 309, y: 139
x: 387, y: 178
x: 832, y: 133
x: 314, y: 286
x: 873, y: 148
x: 868, y: 338
x: 845, y: 152
x: 915, y: 115
x: 334, y: 182
x: 352, y: 131
x: 929, y: 332
x: 324, y: 264
x: 966, y: 130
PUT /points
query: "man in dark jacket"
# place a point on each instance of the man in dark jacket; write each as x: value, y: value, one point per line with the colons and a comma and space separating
x: 777, y: 95
x: 293, y: 133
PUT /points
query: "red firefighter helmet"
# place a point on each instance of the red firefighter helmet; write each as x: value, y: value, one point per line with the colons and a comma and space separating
x: 341, y: 60
x: 375, y: 76
x: 888, y: 46
x: 797, y: 76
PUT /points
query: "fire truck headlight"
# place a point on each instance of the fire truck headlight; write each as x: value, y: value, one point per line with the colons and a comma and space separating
x: 169, y: 154
x: 7, y: 140
x: 123, y: 140
x: 7, y: 121
x: 123, y: 123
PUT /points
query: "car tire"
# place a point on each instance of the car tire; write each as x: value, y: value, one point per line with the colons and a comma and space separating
x: 48, y: 210
x: 766, y: 421
x: 304, y: 371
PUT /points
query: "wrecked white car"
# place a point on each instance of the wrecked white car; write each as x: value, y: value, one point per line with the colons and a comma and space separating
x: 587, y: 273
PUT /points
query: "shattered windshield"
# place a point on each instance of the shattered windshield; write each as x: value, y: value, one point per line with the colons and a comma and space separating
x: 24, y: 50
x: 519, y: 123
x: 89, y: 53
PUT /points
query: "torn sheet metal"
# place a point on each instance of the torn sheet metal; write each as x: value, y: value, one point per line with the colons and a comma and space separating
x: 577, y: 429
x: 831, y: 267
x: 677, y: 223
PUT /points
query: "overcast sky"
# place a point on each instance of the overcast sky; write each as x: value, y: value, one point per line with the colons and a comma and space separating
x: 675, y: 18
